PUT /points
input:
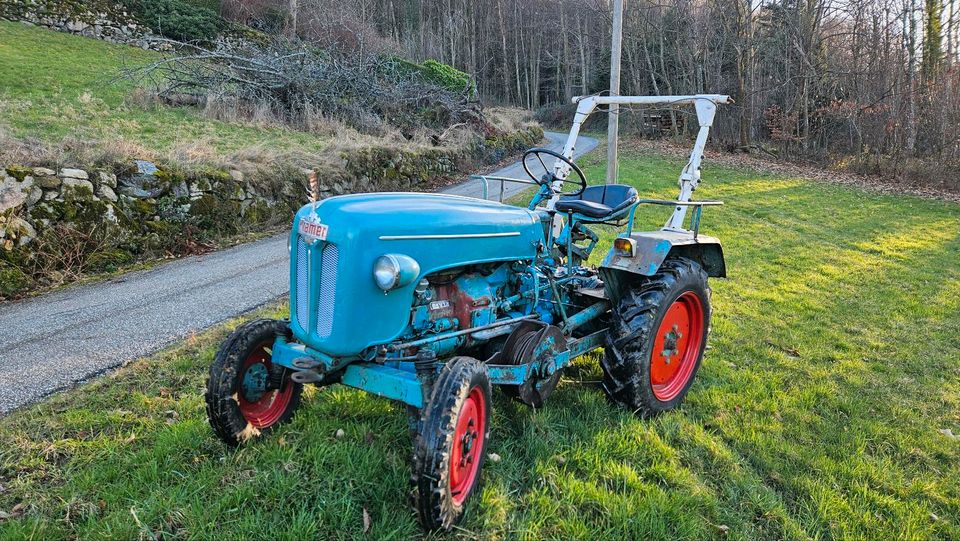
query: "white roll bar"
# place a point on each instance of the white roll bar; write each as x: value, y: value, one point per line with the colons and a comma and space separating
x: 706, y: 107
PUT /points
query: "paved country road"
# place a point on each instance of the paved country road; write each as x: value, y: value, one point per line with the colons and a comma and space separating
x: 54, y: 341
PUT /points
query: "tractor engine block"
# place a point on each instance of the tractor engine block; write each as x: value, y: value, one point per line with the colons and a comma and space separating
x: 458, y: 299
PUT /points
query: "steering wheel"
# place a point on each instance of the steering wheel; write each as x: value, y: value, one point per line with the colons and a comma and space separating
x: 549, y: 176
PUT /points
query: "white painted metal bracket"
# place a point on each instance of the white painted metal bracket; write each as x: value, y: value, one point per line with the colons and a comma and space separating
x: 706, y: 107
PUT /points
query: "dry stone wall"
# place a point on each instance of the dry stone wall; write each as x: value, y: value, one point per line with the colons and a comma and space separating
x: 100, y: 19
x: 123, y: 212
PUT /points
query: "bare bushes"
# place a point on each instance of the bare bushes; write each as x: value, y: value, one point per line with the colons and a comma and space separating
x: 295, y: 83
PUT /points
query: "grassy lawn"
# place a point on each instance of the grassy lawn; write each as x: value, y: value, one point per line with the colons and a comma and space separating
x: 55, y: 86
x: 834, y: 363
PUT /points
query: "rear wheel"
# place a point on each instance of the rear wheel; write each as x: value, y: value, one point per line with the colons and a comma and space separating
x: 246, y: 395
x: 450, y: 447
x: 657, y: 338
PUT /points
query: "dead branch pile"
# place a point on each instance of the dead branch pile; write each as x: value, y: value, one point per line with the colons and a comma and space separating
x: 298, y: 84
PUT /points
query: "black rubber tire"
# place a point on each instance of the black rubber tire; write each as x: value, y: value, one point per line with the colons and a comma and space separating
x: 223, y: 384
x: 629, y: 341
x: 433, y: 446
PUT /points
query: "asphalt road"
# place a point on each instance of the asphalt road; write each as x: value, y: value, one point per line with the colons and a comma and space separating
x: 52, y: 342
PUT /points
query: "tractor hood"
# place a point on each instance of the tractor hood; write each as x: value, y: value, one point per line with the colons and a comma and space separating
x: 337, y: 307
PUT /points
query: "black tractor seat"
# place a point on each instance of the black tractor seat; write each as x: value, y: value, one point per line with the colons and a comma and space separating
x: 602, y: 203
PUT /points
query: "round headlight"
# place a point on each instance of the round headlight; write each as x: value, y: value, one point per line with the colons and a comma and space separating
x: 395, y: 270
x: 386, y: 272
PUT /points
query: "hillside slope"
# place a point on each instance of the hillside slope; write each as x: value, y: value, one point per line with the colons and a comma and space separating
x: 55, y: 86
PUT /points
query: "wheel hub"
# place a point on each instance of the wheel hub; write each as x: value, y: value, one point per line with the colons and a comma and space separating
x: 677, y: 345
x: 261, y: 404
x: 670, y: 340
x: 467, y: 445
x: 255, y: 382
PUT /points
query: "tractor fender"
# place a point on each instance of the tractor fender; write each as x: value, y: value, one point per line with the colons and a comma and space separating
x: 652, y: 248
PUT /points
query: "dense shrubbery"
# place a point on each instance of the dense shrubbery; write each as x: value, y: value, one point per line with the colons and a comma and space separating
x: 176, y: 19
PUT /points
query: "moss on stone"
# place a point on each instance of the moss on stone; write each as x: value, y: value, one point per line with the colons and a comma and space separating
x: 144, y: 207
x: 258, y: 212
x: 215, y: 214
x: 210, y: 175
x: 12, y: 281
x: 46, y: 210
x: 168, y: 177
x: 109, y: 260
x: 19, y: 172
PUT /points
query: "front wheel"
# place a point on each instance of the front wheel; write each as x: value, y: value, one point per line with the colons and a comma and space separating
x: 450, y: 447
x: 657, y: 338
x: 246, y: 395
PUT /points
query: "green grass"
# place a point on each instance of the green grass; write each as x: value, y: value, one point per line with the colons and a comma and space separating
x: 55, y: 86
x: 834, y: 361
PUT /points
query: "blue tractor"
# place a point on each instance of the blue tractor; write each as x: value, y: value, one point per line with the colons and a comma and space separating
x: 431, y: 300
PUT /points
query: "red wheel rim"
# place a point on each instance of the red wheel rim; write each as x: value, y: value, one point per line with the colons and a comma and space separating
x: 269, y: 407
x: 676, y: 346
x: 468, y: 440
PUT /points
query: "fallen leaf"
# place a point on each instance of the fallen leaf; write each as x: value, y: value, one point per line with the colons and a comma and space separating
x: 164, y: 392
x: 493, y: 457
x: 130, y: 439
x: 17, y: 511
x: 366, y: 520
x: 247, y: 433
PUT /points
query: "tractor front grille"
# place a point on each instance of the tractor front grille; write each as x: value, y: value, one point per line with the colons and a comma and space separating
x: 329, y: 258
x: 307, y: 259
x: 303, y: 284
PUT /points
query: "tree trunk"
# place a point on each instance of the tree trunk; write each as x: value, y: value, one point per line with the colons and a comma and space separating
x: 567, y: 61
x: 503, y: 47
x: 293, y: 8
x: 911, y: 27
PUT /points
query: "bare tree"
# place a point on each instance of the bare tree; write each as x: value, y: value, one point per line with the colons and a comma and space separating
x: 811, y: 78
